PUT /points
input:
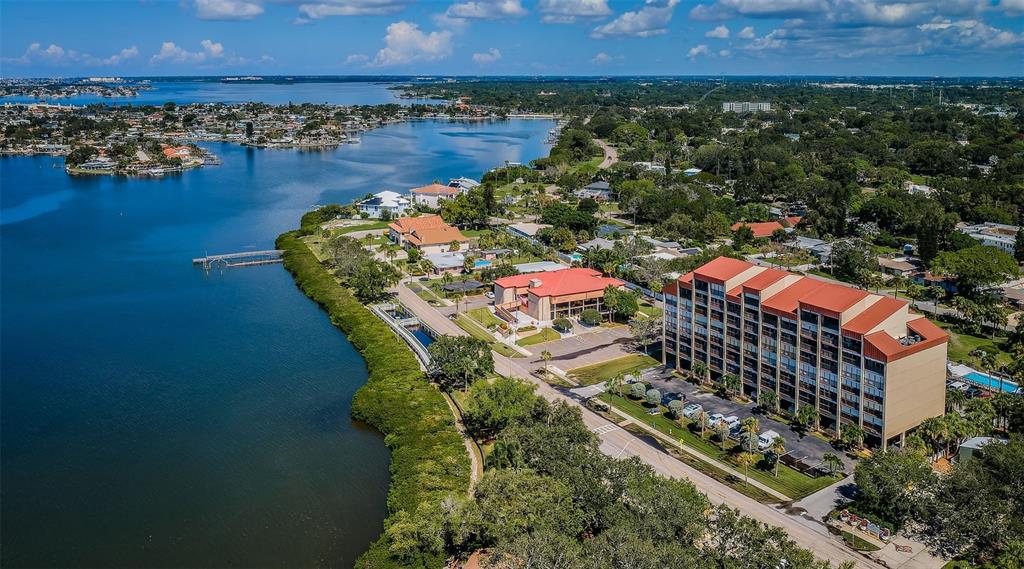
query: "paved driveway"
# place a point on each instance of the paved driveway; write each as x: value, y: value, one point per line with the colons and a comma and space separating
x: 586, y: 349
x: 798, y: 446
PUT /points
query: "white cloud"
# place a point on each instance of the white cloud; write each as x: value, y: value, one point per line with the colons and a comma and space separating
x: 406, y: 43
x: 721, y: 32
x: 1012, y: 7
x: 356, y: 58
x: 970, y: 34
x: 227, y: 9
x: 601, y: 58
x: 650, y: 20
x: 172, y: 53
x: 486, y: 9
x: 490, y: 56
x: 725, y: 9
x: 746, y: 33
x: 328, y: 8
x: 698, y: 50
x: 724, y: 53
x: 54, y: 54
x: 568, y: 11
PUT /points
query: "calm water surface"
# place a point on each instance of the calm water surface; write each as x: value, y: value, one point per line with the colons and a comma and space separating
x: 155, y: 416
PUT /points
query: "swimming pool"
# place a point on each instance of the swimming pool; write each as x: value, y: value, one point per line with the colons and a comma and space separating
x: 990, y: 382
x: 481, y: 263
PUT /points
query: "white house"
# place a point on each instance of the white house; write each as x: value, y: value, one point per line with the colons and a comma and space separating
x: 998, y: 235
x: 391, y: 202
x: 432, y: 195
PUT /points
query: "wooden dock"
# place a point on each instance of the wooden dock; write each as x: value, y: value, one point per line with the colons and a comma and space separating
x: 243, y: 259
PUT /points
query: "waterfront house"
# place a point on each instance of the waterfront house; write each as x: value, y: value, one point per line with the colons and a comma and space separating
x: 599, y: 190
x: 428, y: 233
x: 432, y: 195
x: 387, y: 201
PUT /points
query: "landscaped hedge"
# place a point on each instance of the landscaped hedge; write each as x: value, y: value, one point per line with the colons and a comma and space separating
x: 428, y: 458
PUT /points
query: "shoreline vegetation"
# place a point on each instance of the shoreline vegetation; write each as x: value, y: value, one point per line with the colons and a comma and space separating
x: 428, y: 457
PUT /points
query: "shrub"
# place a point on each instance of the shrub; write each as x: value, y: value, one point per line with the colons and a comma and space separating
x: 637, y: 390
x: 591, y: 317
x: 676, y: 408
x: 653, y: 397
x: 562, y: 324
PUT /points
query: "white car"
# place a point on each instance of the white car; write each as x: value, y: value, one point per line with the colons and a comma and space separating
x: 691, y: 410
x: 765, y: 439
x: 715, y: 418
x: 489, y: 294
x: 732, y: 420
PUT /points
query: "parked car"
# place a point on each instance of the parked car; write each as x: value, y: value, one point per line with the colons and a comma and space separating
x: 424, y: 279
x: 732, y: 420
x: 665, y: 399
x: 959, y: 385
x: 654, y: 411
x: 715, y: 418
x: 691, y: 410
x: 765, y: 439
x: 489, y: 294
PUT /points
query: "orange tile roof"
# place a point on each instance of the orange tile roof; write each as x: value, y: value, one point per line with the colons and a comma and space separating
x: 722, y: 269
x: 874, y: 315
x: 405, y: 225
x: 561, y: 283
x: 436, y: 236
x: 435, y: 189
x: 786, y: 300
x: 793, y: 220
x: 764, y: 279
x: 762, y: 229
x: 833, y: 297
x: 880, y: 345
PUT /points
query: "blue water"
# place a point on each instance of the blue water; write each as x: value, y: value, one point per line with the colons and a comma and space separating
x: 155, y: 416
x: 991, y: 382
x: 481, y: 263
x: 199, y: 91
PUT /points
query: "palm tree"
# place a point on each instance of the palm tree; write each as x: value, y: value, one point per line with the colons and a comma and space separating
x: 778, y: 449
x: 832, y: 462
x: 546, y: 356
x: 700, y: 371
x: 702, y: 420
x: 768, y: 400
x: 852, y: 435
x: 807, y: 416
x: 614, y: 382
x: 722, y: 432
x: 934, y: 431
x: 955, y: 399
x: 750, y: 425
x: 746, y: 459
x: 731, y: 383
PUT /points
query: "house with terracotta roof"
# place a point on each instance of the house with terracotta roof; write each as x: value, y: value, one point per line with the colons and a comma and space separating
x: 858, y: 358
x: 545, y: 296
x: 428, y: 233
x: 432, y: 195
x: 765, y: 229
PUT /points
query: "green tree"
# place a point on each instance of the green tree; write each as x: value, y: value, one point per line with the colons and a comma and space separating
x: 1018, y: 246
x: 493, y: 405
x: 851, y: 259
x: 806, y: 417
x: 777, y: 449
x: 832, y: 462
x: 591, y: 317
x: 371, y: 279
x: 653, y: 397
x: 511, y: 503
x: 769, y: 401
x: 621, y: 303
x: 458, y: 361
x: 892, y: 484
x: 852, y: 435
x: 976, y: 266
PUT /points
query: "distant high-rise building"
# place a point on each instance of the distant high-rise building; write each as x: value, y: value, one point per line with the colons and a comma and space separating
x: 745, y: 107
x: 858, y: 358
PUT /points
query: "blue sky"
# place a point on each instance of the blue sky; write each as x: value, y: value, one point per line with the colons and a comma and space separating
x: 512, y: 37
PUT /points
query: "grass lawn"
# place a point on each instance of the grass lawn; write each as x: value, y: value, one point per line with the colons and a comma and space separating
x: 484, y: 317
x: 473, y: 329
x: 545, y: 335
x: 361, y: 227
x: 597, y: 373
x: 961, y: 345
x: 858, y: 543
x: 649, y: 310
x: 788, y: 482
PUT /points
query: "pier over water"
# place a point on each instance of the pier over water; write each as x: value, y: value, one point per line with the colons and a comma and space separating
x: 243, y: 259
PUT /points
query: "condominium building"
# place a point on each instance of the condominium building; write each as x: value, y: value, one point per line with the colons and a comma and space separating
x: 858, y: 358
x: 745, y: 107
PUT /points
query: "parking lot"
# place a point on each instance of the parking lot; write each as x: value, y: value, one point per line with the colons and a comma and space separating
x: 807, y: 447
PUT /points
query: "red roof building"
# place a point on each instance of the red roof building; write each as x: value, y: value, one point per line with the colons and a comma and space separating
x: 857, y: 357
x: 549, y: 295
x: 428, y: 233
